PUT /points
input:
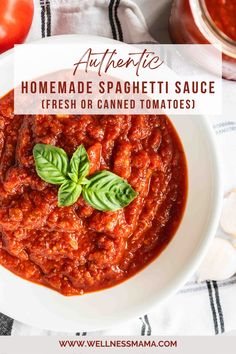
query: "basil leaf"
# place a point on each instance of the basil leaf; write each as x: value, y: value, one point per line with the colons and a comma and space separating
x: 51, y: 163
x: 107, y: 191
x: 68, y: 193
x: 79, y: 164
x: 104, y: 190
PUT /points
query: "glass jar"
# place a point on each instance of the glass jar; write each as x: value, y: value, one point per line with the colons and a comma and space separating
x: 204, y: 22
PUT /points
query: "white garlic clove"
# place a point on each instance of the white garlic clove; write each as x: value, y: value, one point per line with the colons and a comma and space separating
x: 228, y: 216
x: 219, y: 263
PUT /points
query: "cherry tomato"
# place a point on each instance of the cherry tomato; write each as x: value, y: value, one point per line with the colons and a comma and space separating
x: 15, y: 21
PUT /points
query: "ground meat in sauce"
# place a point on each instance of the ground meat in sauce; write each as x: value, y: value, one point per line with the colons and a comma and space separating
x: 78, y: 249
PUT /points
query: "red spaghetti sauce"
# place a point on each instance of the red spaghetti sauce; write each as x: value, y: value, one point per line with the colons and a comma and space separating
x: 223, y: 14
x: 78, y: 249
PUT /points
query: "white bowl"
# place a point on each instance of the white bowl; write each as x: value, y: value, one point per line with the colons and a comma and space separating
x: 41, y: 307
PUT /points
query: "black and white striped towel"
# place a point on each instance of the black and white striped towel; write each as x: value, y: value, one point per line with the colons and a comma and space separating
x: 205, y: 308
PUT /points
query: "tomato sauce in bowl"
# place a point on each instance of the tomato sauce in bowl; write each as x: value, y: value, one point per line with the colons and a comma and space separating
x: 78, y: 249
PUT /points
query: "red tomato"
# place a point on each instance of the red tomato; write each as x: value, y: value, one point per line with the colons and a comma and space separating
x: 15, y: 21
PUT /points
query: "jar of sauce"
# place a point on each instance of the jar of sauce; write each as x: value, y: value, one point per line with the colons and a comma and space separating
x: 204, y: 22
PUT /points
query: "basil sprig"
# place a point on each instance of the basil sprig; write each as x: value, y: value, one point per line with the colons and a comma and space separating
x: 104, y: 190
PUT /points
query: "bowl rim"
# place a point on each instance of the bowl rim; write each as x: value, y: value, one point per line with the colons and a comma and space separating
x: 199, y: 254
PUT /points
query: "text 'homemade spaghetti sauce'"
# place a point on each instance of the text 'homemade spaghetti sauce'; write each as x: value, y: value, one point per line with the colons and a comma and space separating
x: 78, y: 249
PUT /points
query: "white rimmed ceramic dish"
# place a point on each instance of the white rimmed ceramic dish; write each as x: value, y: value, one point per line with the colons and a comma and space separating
x: 41, y: 307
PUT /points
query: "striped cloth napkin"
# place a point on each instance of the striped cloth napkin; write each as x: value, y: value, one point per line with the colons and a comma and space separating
x: 198, y: 309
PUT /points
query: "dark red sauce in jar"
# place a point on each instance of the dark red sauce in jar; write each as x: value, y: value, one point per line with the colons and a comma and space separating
x: 204, y: 22
x: 223, y: 14
x: 77, y: 249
